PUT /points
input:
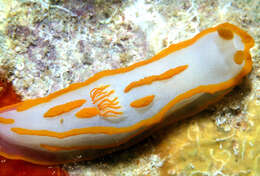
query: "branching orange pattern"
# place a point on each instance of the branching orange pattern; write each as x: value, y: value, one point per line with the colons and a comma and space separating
x: 108, y: 107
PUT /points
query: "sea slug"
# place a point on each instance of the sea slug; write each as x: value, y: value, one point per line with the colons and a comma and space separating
x: 113, y: 109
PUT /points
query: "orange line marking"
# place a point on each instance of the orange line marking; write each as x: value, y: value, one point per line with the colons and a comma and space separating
x: 108, y: 101
x: 97, y: 91
x: 6, y: 121
x: 87, y: 112
x: 107, y: 113
x: 142, y: 102
x: 104, y: 94
x: 67, y: 107
x: 108, y: 106
x: 150, y: 79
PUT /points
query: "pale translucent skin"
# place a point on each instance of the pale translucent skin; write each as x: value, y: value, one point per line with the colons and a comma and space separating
x: 209, y: 60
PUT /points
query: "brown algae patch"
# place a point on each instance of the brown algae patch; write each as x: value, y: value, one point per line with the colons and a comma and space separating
x: 199, y: 147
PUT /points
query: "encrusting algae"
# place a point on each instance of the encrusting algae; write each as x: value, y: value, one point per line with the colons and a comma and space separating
x: 199, y: 147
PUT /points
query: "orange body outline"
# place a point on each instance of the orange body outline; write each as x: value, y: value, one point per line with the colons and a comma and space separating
x: 246, y: 39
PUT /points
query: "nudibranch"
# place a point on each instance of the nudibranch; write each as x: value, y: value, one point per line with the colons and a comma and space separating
x: 115, y: 108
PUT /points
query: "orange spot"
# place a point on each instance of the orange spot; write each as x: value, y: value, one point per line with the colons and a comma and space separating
x: 6, y: 121
x: 225, y: 33
x: 60, y: 109
x: 61, y: 121
x: 142, y: 102
x: 148, y: 80
x: 239, y: 57
x: 87, y: 112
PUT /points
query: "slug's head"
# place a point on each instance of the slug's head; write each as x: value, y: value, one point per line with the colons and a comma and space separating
x: 241, y: 42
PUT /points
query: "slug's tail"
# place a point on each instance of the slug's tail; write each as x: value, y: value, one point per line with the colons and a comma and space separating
x: 8, y: 98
